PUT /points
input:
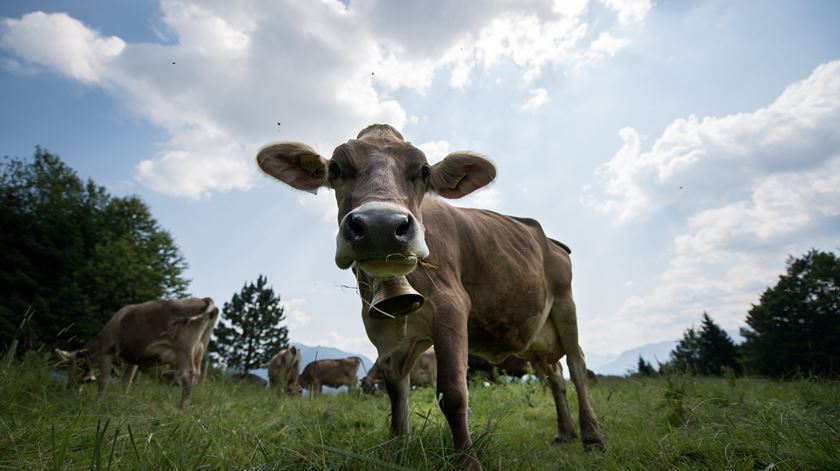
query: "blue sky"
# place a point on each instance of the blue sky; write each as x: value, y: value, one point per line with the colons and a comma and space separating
x: 682, y: 149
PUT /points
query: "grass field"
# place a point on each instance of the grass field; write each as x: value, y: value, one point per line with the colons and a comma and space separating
x: 656, y: 423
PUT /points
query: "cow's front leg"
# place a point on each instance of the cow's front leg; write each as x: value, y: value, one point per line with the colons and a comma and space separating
x: 450, y: 338
x: 186, y: 378
x: 398, y: 388
x: 105, y: 365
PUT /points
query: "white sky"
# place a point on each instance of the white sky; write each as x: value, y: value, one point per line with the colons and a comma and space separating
x: 682, y: 151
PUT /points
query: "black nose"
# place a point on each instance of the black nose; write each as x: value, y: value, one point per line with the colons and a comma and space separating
x: 379, y: 226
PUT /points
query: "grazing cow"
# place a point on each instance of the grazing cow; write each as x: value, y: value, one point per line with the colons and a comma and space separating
x: 283, y: 370
x: 175, y: 333
x: 249, y: 378
x: 332, y: 373
x: 489, y: 283
x: 423, y: 373
x: 511, y: 365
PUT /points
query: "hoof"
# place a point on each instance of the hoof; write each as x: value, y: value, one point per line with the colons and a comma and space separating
x: 468, y: 462
x: 594, y: 443
x: 565, y: 437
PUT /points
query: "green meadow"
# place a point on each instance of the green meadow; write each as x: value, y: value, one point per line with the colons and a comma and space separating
x: 650, y: 423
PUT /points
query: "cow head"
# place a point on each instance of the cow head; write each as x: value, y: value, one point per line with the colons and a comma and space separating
x: 379, y: 181
x: 76, y: 359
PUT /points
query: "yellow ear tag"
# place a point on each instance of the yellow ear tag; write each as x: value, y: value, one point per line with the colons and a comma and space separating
x: 457, y: 181
x: 310, y: 162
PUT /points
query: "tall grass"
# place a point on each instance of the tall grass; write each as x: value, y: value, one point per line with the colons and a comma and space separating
x: 650, y: 423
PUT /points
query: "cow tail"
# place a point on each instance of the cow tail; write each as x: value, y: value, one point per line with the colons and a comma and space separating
x: 210, y: 312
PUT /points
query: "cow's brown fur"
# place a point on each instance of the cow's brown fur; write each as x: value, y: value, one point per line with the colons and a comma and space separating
x: 249, y: 378
x: 175, y: 333
x: 283, y: 370
x: 333, y: 373
x: 423, y: 373
x: 499, y: 285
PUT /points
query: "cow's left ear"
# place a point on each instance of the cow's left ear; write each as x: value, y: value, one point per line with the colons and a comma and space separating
x: 461, y: 173
x: 64, y: 356
x: 294, y: 164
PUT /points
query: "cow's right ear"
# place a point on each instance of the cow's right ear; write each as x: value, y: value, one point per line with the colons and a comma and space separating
x: 294, y: 164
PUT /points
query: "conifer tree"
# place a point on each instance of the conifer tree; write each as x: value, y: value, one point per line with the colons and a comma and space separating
x: 251, y: 328
x: 644, y: 368
x: 705, y: 352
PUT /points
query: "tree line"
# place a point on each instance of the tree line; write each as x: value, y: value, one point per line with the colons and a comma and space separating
x: 71, y: 255
x: 793, y: 330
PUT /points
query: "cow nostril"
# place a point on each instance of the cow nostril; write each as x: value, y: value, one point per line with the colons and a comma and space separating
x: 355, y: 228
x: 403, y: 227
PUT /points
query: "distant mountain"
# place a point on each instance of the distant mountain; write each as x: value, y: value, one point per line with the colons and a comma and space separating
x: 309, y: 354
x: 629, y: 359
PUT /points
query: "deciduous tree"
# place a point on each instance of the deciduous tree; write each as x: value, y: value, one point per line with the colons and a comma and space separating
x: 795, y: 327
x: 73, y: 254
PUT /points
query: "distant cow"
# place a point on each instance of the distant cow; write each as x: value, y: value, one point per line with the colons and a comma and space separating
x: 249, y: 378
x: 423, y: 373
x: 332, y: 373
x: 511, y: 365
x: 283, y: 370
x: 175, y: 333
x: 489, y: 283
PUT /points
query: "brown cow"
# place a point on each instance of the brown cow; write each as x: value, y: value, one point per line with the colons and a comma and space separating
x: 511, y: 365
x: 332, y: 373
x: 249, y: 378
x: 423, y: 373
x: 175, y: 333
x: 283, y: 370
x: 490, y: 283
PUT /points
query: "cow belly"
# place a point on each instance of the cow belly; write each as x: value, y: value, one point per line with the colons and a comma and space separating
x: 160, y: 351
x: 497, y: 334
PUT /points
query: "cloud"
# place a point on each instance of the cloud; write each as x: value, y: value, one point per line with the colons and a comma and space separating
x: 347, y: 343
x: 744, y: 191
x: 715, y: 159
x: 295, y: 316
x: 484, y: 198
x: 435, y: 150
x: 228, y: 72
x: 607, y: 44
x: 539, y: 97
x: 59, y: 42
x: 322, y: 203
x: 629, y: 10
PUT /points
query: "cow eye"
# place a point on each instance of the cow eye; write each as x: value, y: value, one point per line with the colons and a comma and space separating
x: 425, y: 173
x: 335, y: 170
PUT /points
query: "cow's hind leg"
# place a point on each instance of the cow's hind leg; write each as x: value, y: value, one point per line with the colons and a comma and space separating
x: 553, y: 373
x: 565, y: 321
